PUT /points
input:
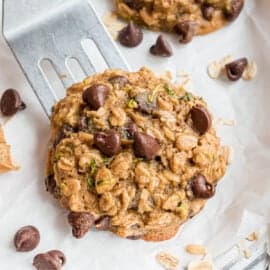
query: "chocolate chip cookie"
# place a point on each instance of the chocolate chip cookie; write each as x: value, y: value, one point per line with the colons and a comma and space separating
x: 184, y: 17
x: 134, y: 154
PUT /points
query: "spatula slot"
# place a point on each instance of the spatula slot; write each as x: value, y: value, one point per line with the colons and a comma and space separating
x: 75, y: 69
x: 94, y: 54
x: 52, y: 78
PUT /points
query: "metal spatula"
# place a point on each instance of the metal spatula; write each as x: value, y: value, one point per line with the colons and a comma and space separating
x: 54, y: 30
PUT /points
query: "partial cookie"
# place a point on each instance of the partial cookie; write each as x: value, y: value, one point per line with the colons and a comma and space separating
x: 185, y: 17
x: 130, y: 153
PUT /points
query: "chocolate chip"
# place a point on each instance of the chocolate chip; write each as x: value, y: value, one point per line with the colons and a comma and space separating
x: 104, y: 223
x: 147, y: 103
x: 121, y: 81
x: 131, y: 35
x: 131, y: 129
x: 136, y: 4
x: 186, y: 30
x: 51, y: 186
x: 233, y: 9
x: 83, y: 123
x: 145, y: 145
x: 201, y: 188
x: 11, y: 102
x: 96, y: 95
x: 26, y: 239
x: 162, y: 47
x: 235, y: 69
x: 51, y: 260
x: 108, y: 142
x: 81, y: 223
x: 207, y: 12
x: 134, y: 237
x: 201, y: 118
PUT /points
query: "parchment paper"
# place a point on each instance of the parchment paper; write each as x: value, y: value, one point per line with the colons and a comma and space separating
x: 244, y: 189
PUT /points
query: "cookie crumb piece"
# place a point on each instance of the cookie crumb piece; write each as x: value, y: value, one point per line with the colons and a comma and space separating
x: 250, y: 71
x: 6, y: 163
x: 196, y: 249
x: 168, y: 261
x: 254, y: 236
x: 214, y: 70
x: 230, y: 154
x: 244, y: 250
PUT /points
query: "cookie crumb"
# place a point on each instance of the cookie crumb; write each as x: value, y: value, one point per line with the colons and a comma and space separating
x: 224, y: 122
x: 113, y: 24
x: 254, y: 236
x: 6, y: 163
x: 244, y: 250
x: 214, y: 70
x: 250, y: 71
x: 230, y: 154
x: 196, y: 249
x: 168, y: 261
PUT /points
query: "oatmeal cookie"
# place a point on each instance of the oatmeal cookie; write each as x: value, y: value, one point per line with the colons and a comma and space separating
x: 185, y: 17
x: 132, y: 153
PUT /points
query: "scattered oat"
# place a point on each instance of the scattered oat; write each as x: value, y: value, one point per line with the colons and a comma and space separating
x: 196, y: 249
x: 113, y: 24
x: 167, y: 75
x: 230, y: 154
x: 225, y: 60
x: 205, y: 264
x: 6, y: 163
x: 168, y: 261
x: 247, y: 253
x: 254, y: 236
x: 250, y: 71
x: 224, y: 122
x: 184, y: 80
x: 63, y: 76
x: 214, y: 70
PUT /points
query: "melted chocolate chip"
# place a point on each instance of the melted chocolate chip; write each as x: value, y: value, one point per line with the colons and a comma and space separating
x: 162, y: 47
x: 235, y: 69
x: 81, y: 223
x: 185, y: 30
x: 201, y: 119
x: 201, y: 188
x: 135, y: 4
x: 26, y: 239
x: 11, y: 102
x: 145, y: 146
x: 146, y: 102
x: 131, y: 129
x: 131, y: 35
x: 207, y: 12
x: 104, y: 223
x: 51, y: 260
x: 95, y: 96
x: 108, y: 142
x: 121, y: 81
x: 233, y: 9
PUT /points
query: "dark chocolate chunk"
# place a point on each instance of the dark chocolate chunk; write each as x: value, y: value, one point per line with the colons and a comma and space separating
x: 51, y: 260
x: 201, y: 188
x: 26, y: 239
x: 11, y: 102
x: 121, y: 81
x: 131, y: 35
x: 96, y: 95
x: 185, y: 30
x: 131, y: 129
x: 108, y: 142
x: 207, y: 12
x: 235, y: 69
x: 81, y: 223
x: 233, y: 9
x: 135, y: 4
x: 162, y: 47
x: 201, y: 119
x: 145, y: 146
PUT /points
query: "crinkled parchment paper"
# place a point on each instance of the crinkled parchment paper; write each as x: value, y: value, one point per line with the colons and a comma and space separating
x: 244, y: 189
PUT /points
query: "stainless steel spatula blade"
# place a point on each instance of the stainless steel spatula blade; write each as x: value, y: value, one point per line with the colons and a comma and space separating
x: 54, y: 30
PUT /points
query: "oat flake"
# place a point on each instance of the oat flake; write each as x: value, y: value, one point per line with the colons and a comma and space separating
x: 168, y: 261
x: 196, y: 249
x: 250, y: 71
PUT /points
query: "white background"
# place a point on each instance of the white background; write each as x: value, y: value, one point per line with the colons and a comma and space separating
x: 246, y: 186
